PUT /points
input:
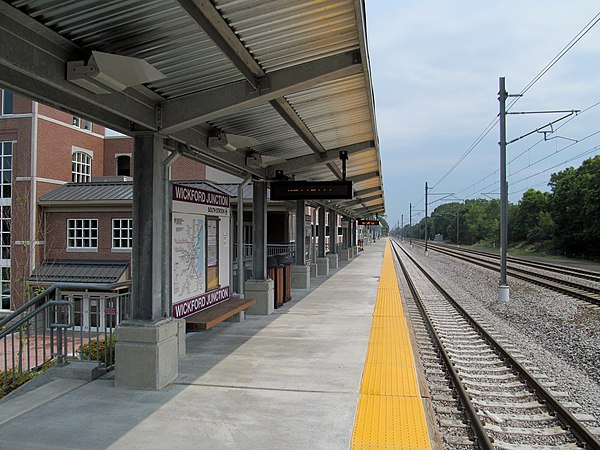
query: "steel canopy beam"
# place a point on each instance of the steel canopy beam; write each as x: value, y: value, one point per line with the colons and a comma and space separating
x: 33, y: 62
x: 194, y: 109
x: 368, y: 191
x: 364, y: 177
x: 218, y: 30
x: 302, y: 162
x: 230, y: 162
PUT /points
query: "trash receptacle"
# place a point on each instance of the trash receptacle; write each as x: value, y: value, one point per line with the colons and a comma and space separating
x: 286, y: 263
x: 275, y: 272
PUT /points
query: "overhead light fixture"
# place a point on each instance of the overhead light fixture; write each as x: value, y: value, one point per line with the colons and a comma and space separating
x: 105, y: 73
x: 255, y: 161
x: 220, y: 143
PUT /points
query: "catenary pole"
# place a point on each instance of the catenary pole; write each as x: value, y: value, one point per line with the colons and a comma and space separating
x: 503, y: 292
x: 410, y: 224
x: 426, y: 201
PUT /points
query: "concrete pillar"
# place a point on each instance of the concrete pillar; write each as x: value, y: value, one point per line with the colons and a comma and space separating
x: 323, y: 267
x: 300, y: 277
x: 147, y: 344
x: 332, y: 233
x: 321, y: 233
x: 300, y: 271
x: 260, y: 287
x: 300, y: 233
x: 333, y: 260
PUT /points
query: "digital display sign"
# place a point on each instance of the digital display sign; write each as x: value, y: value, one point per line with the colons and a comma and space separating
x: 312, y: 190
x: 368, y: 222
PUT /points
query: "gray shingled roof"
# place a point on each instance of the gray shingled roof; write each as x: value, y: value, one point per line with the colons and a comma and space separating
x: 90, y: 192
x: 122, y: 192
x: 79, y: 271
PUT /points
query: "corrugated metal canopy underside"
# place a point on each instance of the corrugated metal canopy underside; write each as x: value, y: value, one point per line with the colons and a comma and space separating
x: 291, y: 74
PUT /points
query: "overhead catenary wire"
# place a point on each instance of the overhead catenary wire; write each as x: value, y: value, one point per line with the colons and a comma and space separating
x: 529, y: 85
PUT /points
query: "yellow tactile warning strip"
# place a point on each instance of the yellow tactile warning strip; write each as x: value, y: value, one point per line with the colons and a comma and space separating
x: 390, y: 411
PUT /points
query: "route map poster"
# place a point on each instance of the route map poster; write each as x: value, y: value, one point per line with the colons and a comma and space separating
x: 200, y: 263
x: 188, y: 256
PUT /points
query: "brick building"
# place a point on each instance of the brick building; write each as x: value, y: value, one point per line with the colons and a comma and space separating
x: 42, y: 148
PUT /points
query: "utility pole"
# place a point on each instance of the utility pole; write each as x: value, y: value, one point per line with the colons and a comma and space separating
x: 426, y: 201
x: 402, y: 227
x: 457, y: 229
x: 410, y: 225
x: 503, y: 292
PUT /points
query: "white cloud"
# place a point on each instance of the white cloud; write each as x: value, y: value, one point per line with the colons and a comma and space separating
x: 435, y: 68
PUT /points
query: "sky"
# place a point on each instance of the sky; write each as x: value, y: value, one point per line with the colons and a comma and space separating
x: 435, y: 68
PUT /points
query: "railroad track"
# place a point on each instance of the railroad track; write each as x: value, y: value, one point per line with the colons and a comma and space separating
x: 583, y: 274
x: 505, y: 404
x: 574, y: 289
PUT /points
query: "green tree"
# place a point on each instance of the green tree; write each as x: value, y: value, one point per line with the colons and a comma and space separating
x: 575, y: 208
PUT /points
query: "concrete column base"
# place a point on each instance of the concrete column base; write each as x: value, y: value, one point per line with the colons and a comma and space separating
x: 146, y: 354
x: 323, y: 267
x: 333, y: 260
x: 344, y: 254
x: 300, y: 277
x: 314, y: 270
x: 262, y: 291
x: 354, y: 251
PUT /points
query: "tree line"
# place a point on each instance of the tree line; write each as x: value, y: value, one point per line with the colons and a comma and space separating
x: 563, y: 221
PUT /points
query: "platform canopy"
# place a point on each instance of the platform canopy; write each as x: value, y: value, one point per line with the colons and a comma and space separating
x: 251, y: 87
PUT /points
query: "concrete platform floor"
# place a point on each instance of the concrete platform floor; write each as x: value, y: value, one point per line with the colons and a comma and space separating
x: 285, y: 381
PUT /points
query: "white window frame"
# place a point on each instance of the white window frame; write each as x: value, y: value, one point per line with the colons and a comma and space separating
x: 82, y: 234
x: 81, y: 171
x: 2, y: 103
x: 124, y: 234
x: 2, y: 168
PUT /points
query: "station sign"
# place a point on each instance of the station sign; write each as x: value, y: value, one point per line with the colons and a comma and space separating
x: 312, y: 190
x: 368, y: 222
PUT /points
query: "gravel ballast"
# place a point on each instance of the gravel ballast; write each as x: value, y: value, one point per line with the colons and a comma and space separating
x: 558, y: 334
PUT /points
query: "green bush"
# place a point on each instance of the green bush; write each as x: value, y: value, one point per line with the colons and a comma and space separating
x: 98, y: 350
x: 12, y: 378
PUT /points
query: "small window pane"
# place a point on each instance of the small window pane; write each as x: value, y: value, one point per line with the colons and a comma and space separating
x: 81, y: 233
x: 7, y: 102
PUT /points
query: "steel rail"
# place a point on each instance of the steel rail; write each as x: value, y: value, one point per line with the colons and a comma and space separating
x: 582, y: 292
x: 564, y: 415
x: 476, y: 425
x: 564, y: 270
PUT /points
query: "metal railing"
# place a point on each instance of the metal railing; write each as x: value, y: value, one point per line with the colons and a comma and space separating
x: 287, y: 250
x: 67, y: 321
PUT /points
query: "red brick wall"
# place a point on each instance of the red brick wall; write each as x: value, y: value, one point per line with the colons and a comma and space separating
x: 187, y: 169
x: 112, y: 147
x: 56, y: 235
x: 66, y: 118
x: 55, y: 146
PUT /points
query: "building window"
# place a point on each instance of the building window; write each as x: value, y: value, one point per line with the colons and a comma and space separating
x: 6, y: 105
x: 123, y: 165
x: 6, y: 149
x: 82, y: 234
x: 5, y: 221
x: 122, y: 234
x: 82, y: 123
x: 5, y: 281
x: 82, y: 167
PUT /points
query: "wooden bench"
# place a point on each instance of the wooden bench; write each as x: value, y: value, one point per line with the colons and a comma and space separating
x: 205, y: 320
